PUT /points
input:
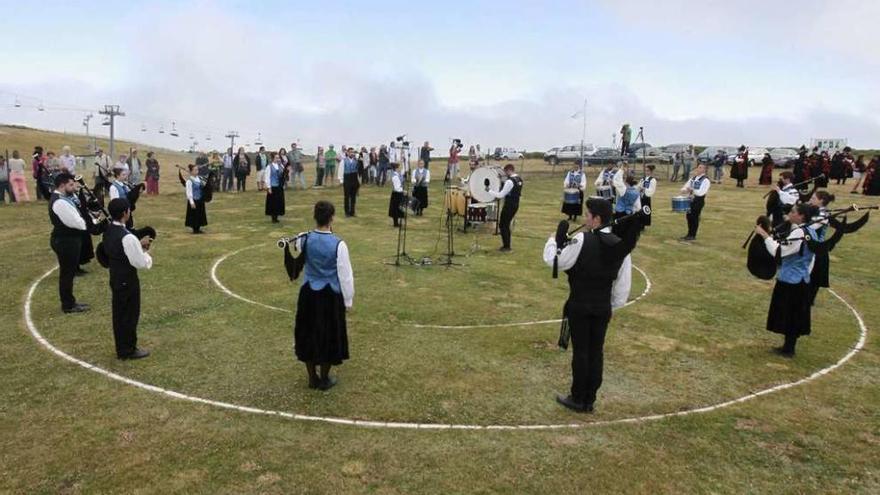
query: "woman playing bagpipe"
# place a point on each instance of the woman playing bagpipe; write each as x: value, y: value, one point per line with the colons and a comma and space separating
x: 573, y: 192
x: 320, y: 334
x: 119, y: 188
x: 196, y: 187
x: 274, y: 185
x: 766, y: 177
x: 739, y: 170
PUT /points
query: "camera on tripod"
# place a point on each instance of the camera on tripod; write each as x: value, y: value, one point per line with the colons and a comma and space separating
x: 457, y: 143
x: 400, y: 139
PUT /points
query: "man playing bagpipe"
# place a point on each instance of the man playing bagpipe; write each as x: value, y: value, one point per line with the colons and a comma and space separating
x: 68, y: 229
x: 120, y: 188
x: 320, y: 334
x: 592, y: 260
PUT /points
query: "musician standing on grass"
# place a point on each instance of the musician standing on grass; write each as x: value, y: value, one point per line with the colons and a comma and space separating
x: 697, y: 187
x: 510, y: 193
x: 647, y: 188
x: 273, y: 177
x: 68, y: 227
x: 789, y: 312
x: 196, y: 218
x: 576, y: 178
x: 396, y: 199
x: 592, y: 261
x: 420, y: 180
x: 348, y: 177
x: 126, y: 254
x: 320, y: 335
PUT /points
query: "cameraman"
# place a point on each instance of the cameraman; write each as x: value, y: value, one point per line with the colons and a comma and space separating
x: 425, y: 154
x: 452, y: 163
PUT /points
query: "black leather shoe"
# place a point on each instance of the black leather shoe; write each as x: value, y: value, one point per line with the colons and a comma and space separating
x: 314, y: 383
x: 504, y: 249
x: 782, y: 351
x: 77, y: 308
x: 327, y: 383
x: 574, y: 405
x: 80, y: 272
x: 137, y: 354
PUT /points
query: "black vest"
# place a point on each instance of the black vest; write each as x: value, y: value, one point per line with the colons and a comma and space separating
x: 58, y: 227
x: 120, y: 269
x: 512, y: 198
x: 594, y: 272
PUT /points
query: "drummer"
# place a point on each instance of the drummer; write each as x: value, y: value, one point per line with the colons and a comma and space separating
x: 697, y: 188
x: 604, y: 181
x: 573, y: 192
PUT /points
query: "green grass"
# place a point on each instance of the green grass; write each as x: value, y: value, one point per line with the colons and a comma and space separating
x: 696, y: 339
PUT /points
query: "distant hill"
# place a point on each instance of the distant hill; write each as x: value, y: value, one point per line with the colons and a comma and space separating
x: 23, y: 139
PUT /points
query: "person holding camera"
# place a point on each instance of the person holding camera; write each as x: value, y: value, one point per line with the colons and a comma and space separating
x: 425, y: 154
x: 126, y: 255
x: 452, y: 163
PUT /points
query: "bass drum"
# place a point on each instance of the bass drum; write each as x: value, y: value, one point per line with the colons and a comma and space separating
x: 483, y: 178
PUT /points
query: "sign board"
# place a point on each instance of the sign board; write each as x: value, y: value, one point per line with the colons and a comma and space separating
x: 830, y: 145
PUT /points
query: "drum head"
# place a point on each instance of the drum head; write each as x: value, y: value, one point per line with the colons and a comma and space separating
x: 480, y: 179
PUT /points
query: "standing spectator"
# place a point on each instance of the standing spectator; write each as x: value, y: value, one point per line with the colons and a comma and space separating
x: 261, y: 162
x: 625, y: 139
x: 285, y: 164
x: 101, y: 173
x: 373, y: 168
x: 677, y: 160
x: 319, y: 167
x: 330, y: 162
x: 68, y: 161
x: 53, y: 164
x: 425, y: 154
x: 384, y: 163
x: 718, y: 163
x: 688, y: 162
x: 472, y: 158
x: 40, y: 173
x: 16, y: 178
x: 4, y: 182
x: 152, y: 174
x: 242, y: 166
x: 452, y: 162
x: 858, y: 170
x: 202, y: 163
x: 363, y: 159
x: 134, y: 164
x: 122, y: 164
x: 294, y: 156
x: 228, y: 170
x: 215, y: 171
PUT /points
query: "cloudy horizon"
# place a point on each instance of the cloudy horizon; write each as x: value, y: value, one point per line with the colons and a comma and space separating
x: 500, y: 74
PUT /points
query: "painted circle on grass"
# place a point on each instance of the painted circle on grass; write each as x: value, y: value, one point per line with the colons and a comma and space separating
x: 216, y: 280
x: 863, y: 333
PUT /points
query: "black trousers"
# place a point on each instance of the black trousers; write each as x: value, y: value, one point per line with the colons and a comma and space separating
x: 241, y: 183
x: 587, y: 359
x: 507, y: 214
x: 693, y: 216
x: 350, y: 186
x: 126, y: 314
x: 67, y: 250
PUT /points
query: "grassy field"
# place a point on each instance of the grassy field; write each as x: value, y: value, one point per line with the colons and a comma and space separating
x: 696, y: 339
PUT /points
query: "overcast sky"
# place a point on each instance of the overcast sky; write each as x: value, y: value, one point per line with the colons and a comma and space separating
x: 502, y: 73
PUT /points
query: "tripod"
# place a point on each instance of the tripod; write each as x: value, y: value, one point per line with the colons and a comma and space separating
x: 641, y: 136
x: 450, y: 234
x: 401, y: 229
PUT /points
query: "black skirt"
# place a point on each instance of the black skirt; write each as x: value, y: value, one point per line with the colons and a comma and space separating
x: 574, y: 209
x: 789, y: 309
x: 421, y: 194
x: 394, y: 205
x: 821, y: 267
x: 275, y: 202
x: 196, y: 217
x: 320, y: 334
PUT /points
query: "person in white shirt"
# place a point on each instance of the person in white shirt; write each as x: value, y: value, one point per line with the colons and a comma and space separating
x: 101, y: 172
x: 320, y: 335
x: 573, y: 192
x: 196, y: 216
x: 696, y: 187
x: 16, y: 178
x: 647, y: 188
x: 122, y: 164
x: 68, y: 161
x: 618, y: 181
x: 68, y: 227
x: 510, y: 193
x: 396, y: 200
x: 420, y: 179
x: 125, y: 254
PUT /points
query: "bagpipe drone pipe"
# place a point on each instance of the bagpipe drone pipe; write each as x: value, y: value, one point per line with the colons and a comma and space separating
x: 101, y: 253
x: 208, y: 181
x: 294, y: 264
x: 762, y: 264
x: 92, y: 208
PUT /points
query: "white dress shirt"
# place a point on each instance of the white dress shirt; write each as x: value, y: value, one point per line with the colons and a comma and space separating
x: 649, y: 191
x: 343, y: 268
x: 122, y: 165
x: 418, y: 174
x: 704, y: 186
x: 189, y: 192
x: 618, y: 183
x: 396, y: 183
x: 795, y: 238
x: 114, y: 193
x: 67, y: 213
x: 505, y: 189
x: 789, y: 195
x: 135, y: 253
x: 569, y: 255
x: 582, y: 185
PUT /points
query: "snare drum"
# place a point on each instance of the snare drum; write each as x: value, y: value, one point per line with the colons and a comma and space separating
x: 604, y: 192
x: 571, y: 196
x: 681, y: 204
x: 599, y: 197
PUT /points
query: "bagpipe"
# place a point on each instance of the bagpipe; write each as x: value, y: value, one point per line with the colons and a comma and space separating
x: 294, y: 264
x: 564, y: 236
x: 798, y: 185
x: 92, y: 208
x: 207, y: 182
x: 762, y: 264
x: 101, y: 253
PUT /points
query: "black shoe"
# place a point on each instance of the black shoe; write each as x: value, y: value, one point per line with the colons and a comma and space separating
x: 314, y: 383
x: 80, y: 272
x: 327, y: 383
x: 782, y: 351
x: 574, y: 405
x: 504, y: 249
x: 137, y: 354
x: 77, y: 308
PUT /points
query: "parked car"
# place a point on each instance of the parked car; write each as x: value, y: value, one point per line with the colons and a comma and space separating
x: 570, y: 154
x: 549, y: 154
x: 602, y: 156
x: 507, y: 154
x: 783, y: 157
